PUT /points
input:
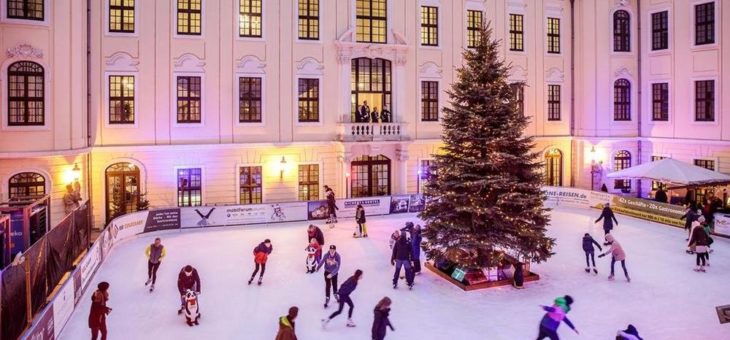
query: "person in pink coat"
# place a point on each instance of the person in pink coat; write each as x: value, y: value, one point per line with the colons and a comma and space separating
x: 617, y: 254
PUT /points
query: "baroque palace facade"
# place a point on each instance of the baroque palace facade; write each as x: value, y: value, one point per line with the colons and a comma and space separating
x: 202, y: 102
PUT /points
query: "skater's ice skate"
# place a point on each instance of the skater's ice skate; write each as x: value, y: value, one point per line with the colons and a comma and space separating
x: 588, y: 270
x: 148, y: 281
x: 350, y: 323
x: 610, y: 278
x: 325, y: 322
x: 595, y: 271
x: 326, y: 302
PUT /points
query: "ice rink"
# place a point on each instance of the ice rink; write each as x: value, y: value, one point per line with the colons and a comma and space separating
x: 665, y: 300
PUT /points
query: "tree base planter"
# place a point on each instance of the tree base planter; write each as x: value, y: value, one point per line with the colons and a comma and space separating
x: 464, y: 284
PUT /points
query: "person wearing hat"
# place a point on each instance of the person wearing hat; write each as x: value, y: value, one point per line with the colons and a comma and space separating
x: 630, y: 333
x: 331, y: 262
x: 402, y: 257
x: 188, y: 279
x: 608, y: 218
x: 260, y: 256
x: 555, y: 314
x: 286, y: 325
x: 99, y: 311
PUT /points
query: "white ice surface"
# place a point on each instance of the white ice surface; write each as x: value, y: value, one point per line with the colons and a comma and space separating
x: 665, y: 300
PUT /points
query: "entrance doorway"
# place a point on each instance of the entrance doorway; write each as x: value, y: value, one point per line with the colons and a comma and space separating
x: 122, y: 189
x: 370, y: 176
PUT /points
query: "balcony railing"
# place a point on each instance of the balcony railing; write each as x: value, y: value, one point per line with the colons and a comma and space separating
x: 366, y: 132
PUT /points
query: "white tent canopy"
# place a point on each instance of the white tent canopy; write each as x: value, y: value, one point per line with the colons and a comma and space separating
x: 670, y: 170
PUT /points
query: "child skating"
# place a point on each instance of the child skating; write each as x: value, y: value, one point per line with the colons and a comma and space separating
x: 588, y: 249
x: 555, y: 314
x: 314, y: 253
x: 261, y: 255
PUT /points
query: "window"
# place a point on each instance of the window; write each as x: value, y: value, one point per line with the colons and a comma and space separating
x: 621, y: 100
x: 121, y: 16
x: 621, y: 31
x: 622, y: 160
x: 474, y: 21
x: 249, y: 185
x: 660, y: 102
x: 705, y: 163
x: 705, y: 100
x: 429, y: 101
x: 518, y: 90
x: 516, y: 32
x: 705, y: 23
x: 429, y: 26
x: 249, y: 19
x: 249, y: 100
x: 308, y: 182
x: 371, y: 81
x: 424, y: 172
x: 189, y: 16
x: 372, y: 21
x: 25, y: 9
x: 370, y: 176
x: 554, y: 168
x: 308, y: 100
x: 553, y: 35
x: 189, y: 187
x: 188, y: 99
x: 659, y: 31
x: 553, y: 102
x: 26, y: 184
x: 121, y: 99
x: 655, y: 185
x: 122, y: 189
x: 309, y: 19
x: 25, y: 94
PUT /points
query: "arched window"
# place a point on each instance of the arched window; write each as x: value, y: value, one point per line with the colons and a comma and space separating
x: 622, y: 100
x: 621, y: 31
x: 122, y: 189
x: 622, y: 160
x: 554, y: 168
x: 25, y: 94
x: 27, y: 185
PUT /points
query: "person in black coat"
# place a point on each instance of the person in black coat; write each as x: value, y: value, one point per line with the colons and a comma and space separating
x: 402, y: 257
x: 588, y: 243
x: 690, y: 215
x: 661, y: 196
x: 187, y: 279
x: 99, y: 311
x: 344, y: 298
x: 608, y: 218
x: 331, y: 205
x: 381, y: 321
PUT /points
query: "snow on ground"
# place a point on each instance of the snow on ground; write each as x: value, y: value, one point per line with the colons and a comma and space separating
x: 665, y: 299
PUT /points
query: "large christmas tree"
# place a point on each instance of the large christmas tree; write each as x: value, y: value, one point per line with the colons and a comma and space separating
x: 484, y: 194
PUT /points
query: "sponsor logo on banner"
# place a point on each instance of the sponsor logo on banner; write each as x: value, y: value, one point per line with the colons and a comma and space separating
x: 197, y: 217
x: 88, y: 265
x: 284, y: 212
x: 78, y: 288
x: 130, y: 224
x: 372, y: 205
x: 417, y: 203
x: 648, y: 210
x: 317, y: 210
x: 63, y: 306
x: 106, y: 240
x: 162, y: 219
x: 399, y: 204
x: 567, y: 196
x: 722, y: 225
x: 42, y: 329
x: 248, y: 214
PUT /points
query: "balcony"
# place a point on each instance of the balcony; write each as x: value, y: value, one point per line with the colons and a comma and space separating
x: 368, y: 132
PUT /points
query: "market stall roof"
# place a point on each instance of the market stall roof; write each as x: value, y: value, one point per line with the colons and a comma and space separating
x: 670, y: 170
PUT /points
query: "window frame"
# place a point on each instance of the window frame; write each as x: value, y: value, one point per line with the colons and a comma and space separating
x: 420, y: 173
x: 174, y: 20
x: 370, y: 19
x: 553, y: 37
x: 663, y: 32
x: 261, y: 98
x: 308, y: 18
x: 552, y: 103
x: 423, y: 99
x: 320, y: 117
x: 514, y: 33
x: 519, y: 90
x: 622, y: 101
x: 238, y: 15
x: 6, y: 12
x: 107, y: 20
x: 5, y: 97
x: 239, y: 184
x: 177, y: 75
x: 694, y: 103
x: 108, y: 99
x: 202, y: 184
x: 702, y: 162
x: 695, y: 25
x: 43, y: 175
x: 318, y: 185
x: 431, y: 29
x: 625, y: 162
x: 660, y: 101
x: 621, y: 40
x: 472, y: 32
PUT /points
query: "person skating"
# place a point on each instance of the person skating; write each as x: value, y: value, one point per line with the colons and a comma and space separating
x: 155, y: 253
x: 588, y: 243
x: 608, y: 218
x: 690, y: 215
x: 314, y: 253
x: 187, y: 279
x: 630, y: 333
x: 555, y: 314
x: 313, y: 231
x: 416, y: 248
x: 381, y: 320
x: 99, y: 311
x: 362, y: 229
x: 699, y: 241
x: 344, y: 298
x: 287, y: 326
x: 331, y: 262
x: 331, y: 205
x: 617, y: 254
x: 402, y: 257
x: 260, y: 256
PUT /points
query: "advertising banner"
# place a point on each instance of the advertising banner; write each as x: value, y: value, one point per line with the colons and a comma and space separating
x: 129, y: 224
x: 567, y: 196
x: 722, y: 224
x: 317, y: 210
x: 648, y: 210
x: 372, y: 205
x: 78, y: 288
x: 162, y: 219
x: 244, y: 214
x: 231, y: 215
x: 88, y: 265
x: 198, y: 217
x: 417, y: 203
x: 285, y: 212
x: 43, y: 328
x: 17, y: 236
x: 399, y: 204
x: 63, y: 306
x: 106, y: 241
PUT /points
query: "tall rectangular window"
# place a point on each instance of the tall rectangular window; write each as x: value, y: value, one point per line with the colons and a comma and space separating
x: 188, y: 99
x: 249, y: 19
x: 516, y: 32
x: 249, y: 99
x: 121, y: 16
x: 621, y: 31
x: 308, y: 19
x: 189, y: 187
x: 121, y: 99
x: 189, y: 17
x: 474, y: 20
x: 553, y: 102
x: 308, y: 95
x: 26, y: 94
x: 660, y: 102
x: 705, y: 163
x: 372, y: 21
x: 553, y: 35
x: 429, y: 26
x: 25, y: 9
x: 621, y: 100
x: 308, y: 182
x: 705, y: 23
x: 429, y: 101
x: 659, y: 31
x: 705, y: 100
x: 518, y: 89
x: 249, y: 185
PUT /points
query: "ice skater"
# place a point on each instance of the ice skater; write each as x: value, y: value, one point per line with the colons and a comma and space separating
x: 155, y: 253
x: 331, y: 262
x: 331, y: 205
x: 699, y: 241
x: 362, y: 229
x: 99, y: 311
x: 608, y: 218
x: 261, y: 255
x: 314, y: 254
x: 416, y: 249
x: 617, y: 254
x: 313, y: 231
x: 402, y: 257
x: 555, y: 314
x: 188, y: 279
x: 381, y: 320
x: 344, y: 298
x: 588, y: 243
x: 630, y: 333
x: 287, y: 326
x: 690, y: 215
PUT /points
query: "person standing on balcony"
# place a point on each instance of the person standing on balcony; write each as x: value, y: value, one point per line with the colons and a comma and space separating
x: 71, y: 199
x: 375, y: 116
x: 364, y: 112
x: 385, y: 115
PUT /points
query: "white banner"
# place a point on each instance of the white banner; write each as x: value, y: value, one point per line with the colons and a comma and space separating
x: 722, y: 224
x: 197, y: 217
x: 63, y: 306
x: 372, y: 205
x: 128, y: 225
x: 88, y: 265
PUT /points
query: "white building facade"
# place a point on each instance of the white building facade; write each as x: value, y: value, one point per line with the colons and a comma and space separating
x: 192, y: 102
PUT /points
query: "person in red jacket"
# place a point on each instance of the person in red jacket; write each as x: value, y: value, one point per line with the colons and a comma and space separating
x: 99, y: 311
x: 260, y: 256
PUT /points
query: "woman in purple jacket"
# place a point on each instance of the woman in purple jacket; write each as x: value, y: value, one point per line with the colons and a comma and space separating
x: 553, y: 317
x: 344, y: 298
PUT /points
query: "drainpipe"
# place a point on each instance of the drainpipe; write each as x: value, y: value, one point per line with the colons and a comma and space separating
x: 639, y: 87
x: 88, y: 116
x: 573, y: 147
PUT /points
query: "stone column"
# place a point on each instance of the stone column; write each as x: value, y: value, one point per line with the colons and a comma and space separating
x: 401, y: 153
